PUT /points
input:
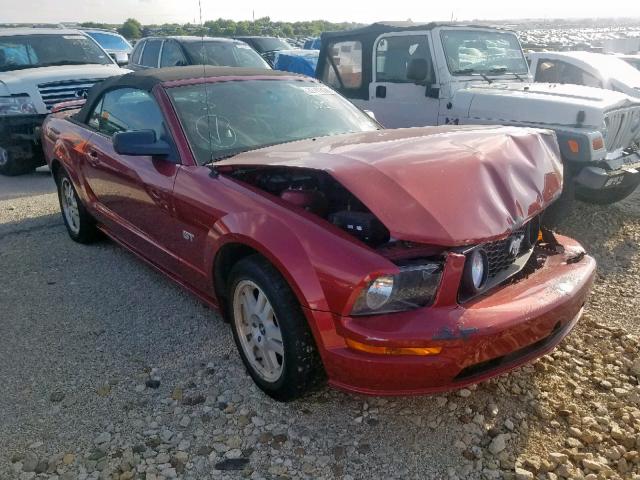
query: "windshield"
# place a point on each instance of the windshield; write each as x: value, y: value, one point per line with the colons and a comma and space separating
x: 225, y: 54
x: 270, y: 44
x: 110, y: 41
x: 250, y: 114
x: 31, y: 51
x: 471, y: 52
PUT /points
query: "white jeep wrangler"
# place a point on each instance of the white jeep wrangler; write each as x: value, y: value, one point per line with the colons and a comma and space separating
x: 39, y: 68
x: 433, y: 74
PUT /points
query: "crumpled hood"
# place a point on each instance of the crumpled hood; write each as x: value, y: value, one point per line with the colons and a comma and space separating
x: 537, y: 103
x: 446, y: 186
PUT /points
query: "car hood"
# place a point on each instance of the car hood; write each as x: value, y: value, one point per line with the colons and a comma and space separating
x: 537, y: 104
x: 21, y: 81
x: 446, y: 186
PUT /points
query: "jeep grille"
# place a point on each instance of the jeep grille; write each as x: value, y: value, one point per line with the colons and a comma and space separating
x: 620, y: 124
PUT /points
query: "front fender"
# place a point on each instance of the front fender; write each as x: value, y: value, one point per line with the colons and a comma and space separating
x: 273, y: 239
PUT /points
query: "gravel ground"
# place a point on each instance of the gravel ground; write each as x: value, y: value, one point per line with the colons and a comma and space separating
x: 109, y: 370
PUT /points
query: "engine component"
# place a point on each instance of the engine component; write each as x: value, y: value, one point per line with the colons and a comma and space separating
x: 363, y: 225
x: 312, y: 201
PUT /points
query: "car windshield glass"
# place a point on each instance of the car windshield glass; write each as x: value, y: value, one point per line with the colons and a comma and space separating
x: 109, y: 41
x: 471, y: 52
x: 232, y: 117
x: 270, y: 44
x: 225, y: 54
x: 31, y: 51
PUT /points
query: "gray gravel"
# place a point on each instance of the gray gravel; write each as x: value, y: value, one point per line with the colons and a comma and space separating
x: 109, y: 370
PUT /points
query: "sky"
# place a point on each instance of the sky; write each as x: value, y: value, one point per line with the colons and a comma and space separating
x: 182, y: 11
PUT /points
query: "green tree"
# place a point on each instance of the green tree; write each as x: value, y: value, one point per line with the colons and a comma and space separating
x: 131, y: 28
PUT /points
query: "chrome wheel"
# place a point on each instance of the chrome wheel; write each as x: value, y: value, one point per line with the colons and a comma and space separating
x: 258, y: 330
x: 70, y: 205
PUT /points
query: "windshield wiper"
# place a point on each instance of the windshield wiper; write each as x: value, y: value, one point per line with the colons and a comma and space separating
x: 472, y: 71
x: 10, y: 68
x: 68, y: 62
x: 503, y: 71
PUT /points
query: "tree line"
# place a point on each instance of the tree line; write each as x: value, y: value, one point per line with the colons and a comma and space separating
x: 133, y: 29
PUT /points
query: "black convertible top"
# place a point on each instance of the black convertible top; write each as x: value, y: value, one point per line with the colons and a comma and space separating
x: 147, y: 79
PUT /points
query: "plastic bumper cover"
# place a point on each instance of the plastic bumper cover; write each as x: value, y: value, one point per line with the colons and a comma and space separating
x: 508, y: 327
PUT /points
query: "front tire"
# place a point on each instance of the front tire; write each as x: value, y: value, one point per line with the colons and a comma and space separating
x: 12, y: 165
x: 81, y: 226
x: 606, y: 196
x: 271, y: 332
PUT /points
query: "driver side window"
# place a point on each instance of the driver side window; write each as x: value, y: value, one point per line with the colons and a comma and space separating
x: 127, y: 109
x: 394, y: 54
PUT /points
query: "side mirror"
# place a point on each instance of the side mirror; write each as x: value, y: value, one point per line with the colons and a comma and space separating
x: 370, y: 113
x: 140, y: 143
x: 418, y: 70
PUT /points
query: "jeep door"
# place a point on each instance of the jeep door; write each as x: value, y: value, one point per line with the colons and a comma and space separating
x: 404, y: 91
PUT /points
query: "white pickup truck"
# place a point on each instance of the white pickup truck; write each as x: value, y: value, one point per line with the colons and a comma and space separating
x: 433, y: 74
x: 38, y: 68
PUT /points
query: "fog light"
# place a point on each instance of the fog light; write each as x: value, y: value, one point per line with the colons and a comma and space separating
x: 363, y: 347
x: 475, y: 271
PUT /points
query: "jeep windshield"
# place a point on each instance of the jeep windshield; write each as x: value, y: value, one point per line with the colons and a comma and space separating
x: 477, y: 52
x: 232, y: 117
x: 19, y: 52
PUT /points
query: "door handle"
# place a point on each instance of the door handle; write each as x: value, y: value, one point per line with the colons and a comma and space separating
x: 92, y: 156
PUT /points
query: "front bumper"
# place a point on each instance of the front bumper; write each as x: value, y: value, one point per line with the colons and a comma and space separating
x: 509, y: 326
x: 20, y: 137
x: 619, y: 172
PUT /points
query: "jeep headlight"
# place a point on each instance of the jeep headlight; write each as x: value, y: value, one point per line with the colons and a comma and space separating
x: 17, y: 105
x: 413, y: 287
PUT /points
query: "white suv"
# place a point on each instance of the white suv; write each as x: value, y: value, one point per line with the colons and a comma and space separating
x: 39, y: 68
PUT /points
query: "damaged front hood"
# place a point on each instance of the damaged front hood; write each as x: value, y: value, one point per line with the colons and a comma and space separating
x: 444, y: 186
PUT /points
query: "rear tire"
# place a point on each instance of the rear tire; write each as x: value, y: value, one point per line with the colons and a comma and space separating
x: 271, y: 332
x: 606, y: 196
x: 81, y: 226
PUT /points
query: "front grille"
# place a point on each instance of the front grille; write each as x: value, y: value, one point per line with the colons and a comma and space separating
x: 620, y: 124
x: 65, y: 90
x: 499, y: 253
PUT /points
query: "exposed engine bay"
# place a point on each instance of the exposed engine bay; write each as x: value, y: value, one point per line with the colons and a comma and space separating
x: 319, y: 193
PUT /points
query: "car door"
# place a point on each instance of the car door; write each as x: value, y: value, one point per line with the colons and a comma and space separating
x: 172, y: 55
x: 133, y: 193
x: 397, y: 100
x: 150, y: 57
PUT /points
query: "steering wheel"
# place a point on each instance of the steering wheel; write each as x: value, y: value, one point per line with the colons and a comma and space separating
x: 216, y: 130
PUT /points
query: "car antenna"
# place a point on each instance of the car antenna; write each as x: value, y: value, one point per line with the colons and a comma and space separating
x: 206, y: 93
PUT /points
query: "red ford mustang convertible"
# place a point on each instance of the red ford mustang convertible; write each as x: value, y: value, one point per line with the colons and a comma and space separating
x: 389, y: 261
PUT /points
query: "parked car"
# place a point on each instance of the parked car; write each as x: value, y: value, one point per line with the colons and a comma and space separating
x: 437, y: 74
x: 392, y: 261
x: 113, y: 43
x: 633, y: 60
x: 154, y: 52
x: 38, y: 68
x: 586, y: 68
x: 266, y: 46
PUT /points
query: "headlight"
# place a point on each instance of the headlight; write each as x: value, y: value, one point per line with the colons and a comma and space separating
x: 17, y: 105
x: 414, y: 287
x: 476, y: 270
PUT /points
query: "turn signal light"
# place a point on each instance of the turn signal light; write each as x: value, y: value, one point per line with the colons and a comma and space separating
x: 573, y: 146
x: 597, y: 143
x: 363, y: 347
